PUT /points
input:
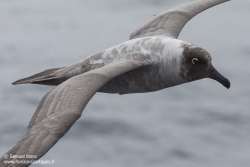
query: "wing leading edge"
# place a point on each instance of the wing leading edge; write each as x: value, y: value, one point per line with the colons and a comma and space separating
x: 61, y: 107
x: 171, y: 22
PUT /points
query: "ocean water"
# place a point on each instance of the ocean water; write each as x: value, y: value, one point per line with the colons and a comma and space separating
x: 199, y: 124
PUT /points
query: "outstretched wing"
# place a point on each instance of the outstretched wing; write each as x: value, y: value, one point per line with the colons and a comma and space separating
x: 61, y: 107
x: 171, y: 22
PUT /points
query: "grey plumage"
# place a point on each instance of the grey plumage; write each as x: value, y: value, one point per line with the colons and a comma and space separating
x: 61, y: 107
x: 166, y: 24
x: 150, y: 61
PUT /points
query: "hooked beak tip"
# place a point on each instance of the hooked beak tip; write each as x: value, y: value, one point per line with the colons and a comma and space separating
x: 214, y: 74
x: 227, y: 84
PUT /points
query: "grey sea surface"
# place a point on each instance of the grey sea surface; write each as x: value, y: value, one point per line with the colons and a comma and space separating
x: 199, y: 124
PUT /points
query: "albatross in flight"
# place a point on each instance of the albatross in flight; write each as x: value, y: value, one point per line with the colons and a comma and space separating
x: 153, y: 59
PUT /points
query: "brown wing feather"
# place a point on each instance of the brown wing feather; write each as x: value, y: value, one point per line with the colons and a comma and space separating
x: 61, y: 107
x: 171, y: 22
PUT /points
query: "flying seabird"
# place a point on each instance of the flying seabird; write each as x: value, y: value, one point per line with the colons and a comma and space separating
x: 153, y: 59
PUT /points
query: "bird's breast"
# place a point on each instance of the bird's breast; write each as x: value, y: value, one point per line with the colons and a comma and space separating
x: 141, y: 80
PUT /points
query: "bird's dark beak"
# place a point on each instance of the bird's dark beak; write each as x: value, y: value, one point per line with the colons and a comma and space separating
x: 214, y: 74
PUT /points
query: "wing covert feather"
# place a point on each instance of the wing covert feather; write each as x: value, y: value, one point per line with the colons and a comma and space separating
x: 171, y: 22
x: 61, y: 107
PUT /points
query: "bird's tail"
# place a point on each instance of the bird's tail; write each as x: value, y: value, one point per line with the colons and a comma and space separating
x: 47, y: 77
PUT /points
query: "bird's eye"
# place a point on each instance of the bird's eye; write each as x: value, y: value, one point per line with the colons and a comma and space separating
x: 195, y: 60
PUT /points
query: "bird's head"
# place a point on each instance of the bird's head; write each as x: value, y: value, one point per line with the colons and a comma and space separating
x: 196, y: 64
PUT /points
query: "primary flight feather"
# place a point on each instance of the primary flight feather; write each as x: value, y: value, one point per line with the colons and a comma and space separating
x: 153, y: 59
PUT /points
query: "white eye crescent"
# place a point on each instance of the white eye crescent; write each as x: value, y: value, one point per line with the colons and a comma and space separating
x: 195, y: 60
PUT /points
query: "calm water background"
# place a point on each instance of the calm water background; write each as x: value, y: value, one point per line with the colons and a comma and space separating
x: 199, y: 124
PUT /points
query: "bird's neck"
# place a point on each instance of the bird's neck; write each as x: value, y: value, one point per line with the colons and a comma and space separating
x: 169, y: 62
